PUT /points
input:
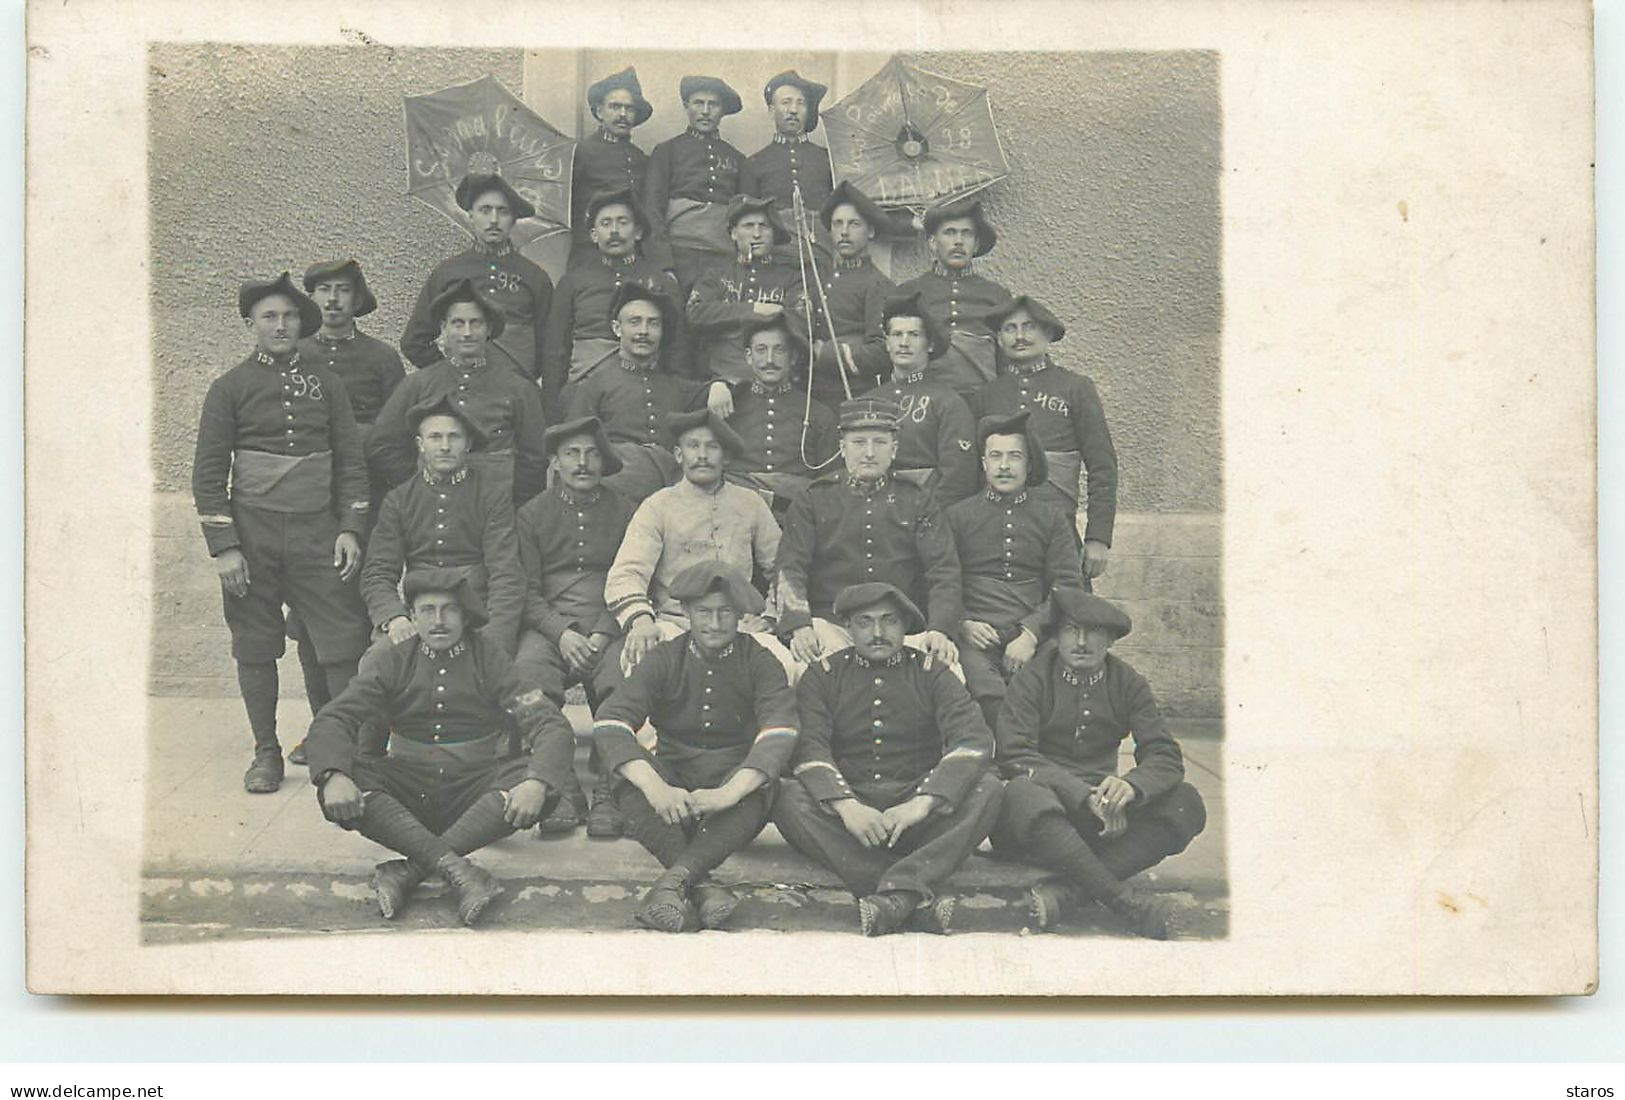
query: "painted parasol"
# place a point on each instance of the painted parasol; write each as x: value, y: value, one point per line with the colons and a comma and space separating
x: 483, y: 128
x: 911, y: 138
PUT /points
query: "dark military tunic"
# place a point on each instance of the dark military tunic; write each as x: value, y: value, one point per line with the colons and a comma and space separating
x: 856, y: 291
x: 581, y: 313
x: 844, y: 531
x: 712, y: 715
x: 883, y: 733
x: 1065, y: 416
x: 700, y: 167
x: 567, y: 543
x: 960, y: 300
x: 937, y: 432
x: 506, y: 409
x: 628, y: 400
x: 604, y: 162
x: 462, y: 522
x: 770, y: 421
x: 724, y: 300
x: 773, y: 171
x: 370, y: 369
x: 523, y: 291
x: 1013, y: 551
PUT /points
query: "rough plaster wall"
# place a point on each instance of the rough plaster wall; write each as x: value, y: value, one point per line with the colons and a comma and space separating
x: 1111, y: 218
x: 267, y: 159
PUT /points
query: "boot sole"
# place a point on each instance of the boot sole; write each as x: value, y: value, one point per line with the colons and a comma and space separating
x: 714, y: 914
x: 939, y: 917
x: 870, y: 919
x: 472, y: 914
x: 1044, y: 910
x: 662, y: 917
x: 605, y: 832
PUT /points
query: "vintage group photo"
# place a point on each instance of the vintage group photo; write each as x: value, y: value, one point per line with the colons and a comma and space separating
x: 674, y: 492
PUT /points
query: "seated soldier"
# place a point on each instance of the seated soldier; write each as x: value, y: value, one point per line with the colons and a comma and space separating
x: 892, y: 787
x: 701, y: 518
x: 861, y: 525
x: 1065, y: 806
x: 725, y: 722
x: 1014, y: 550
x: 957, y: 298
x: 788, y: 439
x: 568, y: 537
x: 629, y: 395
x: 505, y: 407
x: 936, y: 426
x: 731, y: 295
x: 449, y: 785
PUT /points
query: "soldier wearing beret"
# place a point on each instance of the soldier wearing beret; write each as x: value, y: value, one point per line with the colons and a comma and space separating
x: 859, y: 526
x: 956, y: 297
x: 791, y: 160
x: 691, y: 178
x: 520, y: 290
x: 848, y: 337
x: 451, y: 783
x: 568, y: 537
x: 753, y: 286
x: 702, y: 518
x: 1065, y: 806
x: 725, y: 722
x: 1014, y: 550
x: 788, y: 439
x: 892, y: 788
x: 1066, y: 416
x: 505, y: 409
x: 281, y: 495
x: 935, y: 430
x: 630, y: 395
x: 579, y: 339
x: 607, y: 159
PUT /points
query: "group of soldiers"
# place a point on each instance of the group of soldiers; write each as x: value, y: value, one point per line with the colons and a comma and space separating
x: 865, y: 618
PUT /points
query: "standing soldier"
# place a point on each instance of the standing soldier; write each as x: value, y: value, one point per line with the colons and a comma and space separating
x: 579, y: 339
x: 1065, y: 806
x: 789, y: 440
x: 725, y: 723
x: 691, y: 178
x: 727, y: 297
x: 934, y: 447
x: 281, y: 494
x: 892, y: 787
x: 855, y: 291
x: 520, y: 291
x: 606, y: 159
x: 505, y: 410
x: 1014, y: 550
x: 791, y: 160
x: 957, y: 298
x: 1066, y: 417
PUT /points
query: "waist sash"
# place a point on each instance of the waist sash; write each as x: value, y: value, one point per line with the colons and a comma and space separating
x: 291, y: 484
x: 588, y: 354
x: 700, y: 225
x: 488, y: 749
x: 969, y: 362
x: 1065, y: 467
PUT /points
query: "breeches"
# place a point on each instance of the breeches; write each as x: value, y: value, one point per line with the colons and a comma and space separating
x: 290, y: 561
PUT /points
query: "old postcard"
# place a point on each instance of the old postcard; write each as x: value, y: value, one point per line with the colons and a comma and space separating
x: 934, y: 499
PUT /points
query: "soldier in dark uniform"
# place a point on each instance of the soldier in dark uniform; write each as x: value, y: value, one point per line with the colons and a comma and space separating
x: 1014, y: 550
x: 729, y: 296
x: 506, y: 409
x: 956, y: 297
x: 691, y: 178
x: 791, y: 160
x: 607, y: 160
x: 520, y: 290
x: 725, y: 723
x: 788, y: 440
x: 568, y: 538
x: 1066, y: 417
x: 579, y: 339
x: 370, y: 370
x: 892, y: 787
x: 855, y: 291
x: 451, y: 783
x: 934, y: 439
x: 630, y: 395
x: 281, y: 494
x: 862, y: 525
x: 1065, y: 806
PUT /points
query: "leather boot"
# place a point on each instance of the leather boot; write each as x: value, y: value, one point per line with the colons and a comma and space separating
x: 604, y: 820
x: 297, y: 756
x: 1155, y: 916
x: 264, y: 775
x: 715, y: 904
x: 882, y: 914
x: 1050, y: 899
x: 393, y: 882
x: 476, y: 887
x: 667, y: 907
x: 566, y: 816
x: 936, y: 918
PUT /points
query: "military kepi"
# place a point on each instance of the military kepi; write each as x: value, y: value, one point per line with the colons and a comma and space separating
x: 464, y: 290
x: 627, y: 78
x: 1035, y: 309
x: 452, y: 581
x: 250, y: 294
x: 856, y: 597
x: 473, y: 186
x: 365, y: 303
x: 813, y: 90
x: 703, y: 578
x: 555, y: 436
x: 1087, y: 610
x: 442, y: 406
x: 1015, y: 424
x: 731, y: 103
x: 870, y: 412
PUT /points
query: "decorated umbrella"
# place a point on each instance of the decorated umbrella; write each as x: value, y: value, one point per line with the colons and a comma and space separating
x: 483, y: 128
x: 911, y: 138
